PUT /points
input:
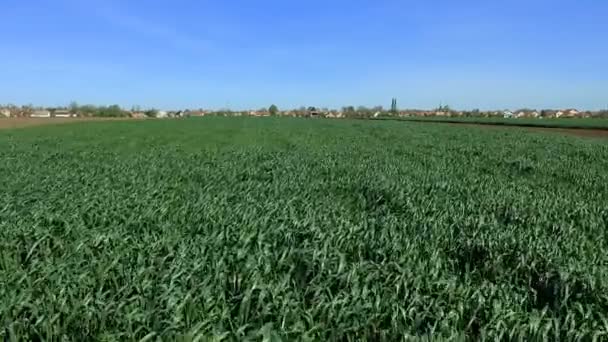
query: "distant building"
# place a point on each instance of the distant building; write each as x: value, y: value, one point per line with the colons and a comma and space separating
x: 62, y: 113
x: 547, y: 113
x: 570, y: 113
x: 41, y: 113
x: 527, y: 113
x: 161, y: 114
x: 5, y: 112
x: 314, y: 113
x: 507, y: 114
x: 138, y: 115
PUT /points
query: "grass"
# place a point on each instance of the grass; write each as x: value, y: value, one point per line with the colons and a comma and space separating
x: 295, y: 229
x: 582, y: 123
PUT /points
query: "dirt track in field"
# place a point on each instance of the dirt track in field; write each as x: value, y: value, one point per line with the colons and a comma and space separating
x: 27, y: 122
x: 589, y: 133
x: 580, y: 132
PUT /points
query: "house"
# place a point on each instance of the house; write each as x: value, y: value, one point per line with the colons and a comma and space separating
x: 198, y: 113
x: 40, y: 113
x: 571, y: 113
x: 507, y: 114
x: 547, y: 113
x: 567, y: 113
x: 62, y: 113
x: 527, y: 113
x: 161, y: 114
x: 5, y: 112
x: 138, y: 115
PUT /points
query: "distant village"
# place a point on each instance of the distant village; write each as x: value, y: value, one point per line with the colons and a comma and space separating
x: 72, y: 111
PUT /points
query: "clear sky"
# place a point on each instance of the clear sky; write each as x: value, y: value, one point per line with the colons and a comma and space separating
x: 328, y: 53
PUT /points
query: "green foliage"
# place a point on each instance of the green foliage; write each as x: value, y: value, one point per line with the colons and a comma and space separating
x: 445, y: 108
x: 359, y: 112
x: 97, y: 111
x: 73, y: 108
x: 273, y: 110
x: 292, y: 229
x: 151, y: 113
x: 111, y: 111
x: 349, y: 110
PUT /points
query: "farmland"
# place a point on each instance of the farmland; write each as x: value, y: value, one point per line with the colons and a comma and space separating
x: 295, y: 229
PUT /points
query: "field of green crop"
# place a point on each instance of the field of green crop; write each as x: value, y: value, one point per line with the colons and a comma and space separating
x: 596, y: 123
x: 294, y: 229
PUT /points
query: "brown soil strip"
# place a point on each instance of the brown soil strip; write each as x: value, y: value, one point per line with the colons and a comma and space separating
x: 27, y: 122
x: 580, y: 132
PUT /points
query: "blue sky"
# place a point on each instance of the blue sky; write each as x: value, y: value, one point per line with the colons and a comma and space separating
x: 328, y: 53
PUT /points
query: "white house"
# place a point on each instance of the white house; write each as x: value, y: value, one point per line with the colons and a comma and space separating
x: 162, y: 114
x: 527, y: 114
x: 61, y: 113
x: 138, y: 115
x: 5, y: 113
x: 507, y: 114
x: 41, y: 114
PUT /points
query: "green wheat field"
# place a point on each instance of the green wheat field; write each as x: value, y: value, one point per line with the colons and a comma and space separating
x: 231, y: 229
